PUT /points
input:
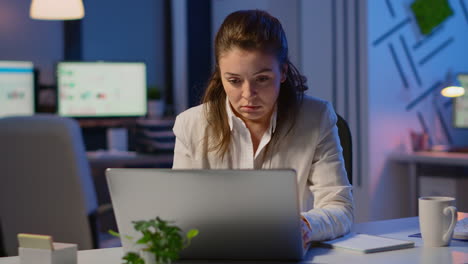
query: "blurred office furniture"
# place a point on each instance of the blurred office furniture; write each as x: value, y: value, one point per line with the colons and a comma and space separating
x: 46, y: 184
x: 150, y: 144
x: 445, y: 168
x: 154, y: 135
x: 125, y: 159
x: 101, y: 160
x: 2, y: 247
x: 144, y: 135
x: 346, y: 143
x: 141, y: 152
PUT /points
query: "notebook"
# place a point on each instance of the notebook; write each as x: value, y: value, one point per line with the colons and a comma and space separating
x: 461, y: 229
x: 364, y: 243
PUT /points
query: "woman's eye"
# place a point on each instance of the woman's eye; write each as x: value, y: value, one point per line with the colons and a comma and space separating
x: 233, y: 81
x: 263, y: 79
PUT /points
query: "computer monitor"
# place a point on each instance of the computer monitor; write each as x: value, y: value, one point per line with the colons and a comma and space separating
x: 101, y: 89
x: 460, y: 104
x: 17, y: 87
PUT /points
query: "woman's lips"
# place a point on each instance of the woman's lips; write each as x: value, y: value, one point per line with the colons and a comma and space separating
x: 249, y: 108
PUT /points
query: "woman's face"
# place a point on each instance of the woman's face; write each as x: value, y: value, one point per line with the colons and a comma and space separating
x: 251, y: 80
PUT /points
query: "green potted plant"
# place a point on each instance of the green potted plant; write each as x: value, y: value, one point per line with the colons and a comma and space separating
x: 161, y: 240
x: 155, y: 102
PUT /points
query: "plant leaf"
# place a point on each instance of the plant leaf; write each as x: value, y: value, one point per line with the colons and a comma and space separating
x: 112, y: 232
x: 192, y: 233
x: 162, y: 238
x: 128, y: 237
x: 141, y: 225
x: 146, y: 237
x: 133, y: 258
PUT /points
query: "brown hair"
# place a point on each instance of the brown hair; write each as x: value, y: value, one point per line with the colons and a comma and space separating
x: 251, y: 30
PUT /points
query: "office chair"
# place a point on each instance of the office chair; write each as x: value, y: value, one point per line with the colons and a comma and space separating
x: 346, y: 143
x: 46, y: 183
x: 2, y: 247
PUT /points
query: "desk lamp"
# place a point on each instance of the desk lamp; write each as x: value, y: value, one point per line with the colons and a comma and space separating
x: 450, y: 92
x: 453, y: 91
x: 56, y: 9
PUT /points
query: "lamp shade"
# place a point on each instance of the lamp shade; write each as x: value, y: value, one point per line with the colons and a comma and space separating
x: 453, y: 91
x: 56, y: 9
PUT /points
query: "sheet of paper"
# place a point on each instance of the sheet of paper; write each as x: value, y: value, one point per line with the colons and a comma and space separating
x: 368, y: 243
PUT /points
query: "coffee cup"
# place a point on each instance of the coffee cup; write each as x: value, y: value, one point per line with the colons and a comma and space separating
x: 437, y: 220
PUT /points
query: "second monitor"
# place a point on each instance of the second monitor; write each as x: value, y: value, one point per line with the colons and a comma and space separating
x: 460, y: 105
x: 101, y: 89
x: 17, y: 88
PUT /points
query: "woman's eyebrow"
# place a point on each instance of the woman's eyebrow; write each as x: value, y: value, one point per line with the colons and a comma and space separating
x: 263, y: 70
x: 230, y: 73
x: 258, y: 72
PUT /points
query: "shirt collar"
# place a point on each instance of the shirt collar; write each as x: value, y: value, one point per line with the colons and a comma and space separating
x: 233, y: 118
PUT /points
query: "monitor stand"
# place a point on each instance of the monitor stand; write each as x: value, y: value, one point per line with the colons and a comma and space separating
x: 117, y: 139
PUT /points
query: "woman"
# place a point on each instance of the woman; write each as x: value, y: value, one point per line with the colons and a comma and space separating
x: 255, y: 115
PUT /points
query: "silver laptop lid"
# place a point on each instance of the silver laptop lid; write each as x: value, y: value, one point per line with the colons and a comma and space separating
x: 241, y: 214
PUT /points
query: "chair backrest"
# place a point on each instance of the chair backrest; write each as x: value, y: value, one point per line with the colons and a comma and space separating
x: 46, y: 184
x: 2, y: 247
x: 346, y: 143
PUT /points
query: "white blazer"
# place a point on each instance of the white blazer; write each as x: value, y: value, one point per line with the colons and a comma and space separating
x: 312, y: 148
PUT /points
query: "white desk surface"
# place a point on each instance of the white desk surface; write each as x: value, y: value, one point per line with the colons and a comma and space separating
x: 457, y: 252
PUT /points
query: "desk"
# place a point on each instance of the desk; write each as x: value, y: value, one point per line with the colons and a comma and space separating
x: 99, y: 161
x: 397, y: 228
x: 127, y: 158
x: 411, y: 161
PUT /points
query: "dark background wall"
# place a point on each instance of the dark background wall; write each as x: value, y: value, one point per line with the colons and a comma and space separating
x: 121, y: 30
x: 22, y: 38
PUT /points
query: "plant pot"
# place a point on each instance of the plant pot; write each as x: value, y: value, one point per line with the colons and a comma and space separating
x: 156, y: 108
x: 149, y: 258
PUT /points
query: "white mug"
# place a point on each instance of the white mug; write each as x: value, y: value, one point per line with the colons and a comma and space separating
x: 437, y: 219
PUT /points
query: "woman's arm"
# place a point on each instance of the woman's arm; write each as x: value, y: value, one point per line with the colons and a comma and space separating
x: 182, y: 153
x: 333, y: 211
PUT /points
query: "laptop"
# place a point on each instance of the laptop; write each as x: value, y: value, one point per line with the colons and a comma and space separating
x: 240, y: 214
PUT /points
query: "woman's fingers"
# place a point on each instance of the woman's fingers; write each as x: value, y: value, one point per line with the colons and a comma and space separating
x: 306, y: 234
x: 306, y: 231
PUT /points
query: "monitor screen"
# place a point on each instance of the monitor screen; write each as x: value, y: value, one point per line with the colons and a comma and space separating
x: 460, y: 105
x: 101, y: 89
x: 16, y: 88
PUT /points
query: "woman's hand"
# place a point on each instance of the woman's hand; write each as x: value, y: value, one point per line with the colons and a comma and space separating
x: 306, y: 233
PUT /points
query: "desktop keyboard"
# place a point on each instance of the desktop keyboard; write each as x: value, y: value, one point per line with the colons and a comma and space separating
x: 458, y: 149
x: 110, y: 154
x: 461, y: 229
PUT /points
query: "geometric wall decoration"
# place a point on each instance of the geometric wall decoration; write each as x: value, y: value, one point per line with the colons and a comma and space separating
x: 465, y: 10
x: 407, y: 70
x: 429, y: 17
x: 430, y: 13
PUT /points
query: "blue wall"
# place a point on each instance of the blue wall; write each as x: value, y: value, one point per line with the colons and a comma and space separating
x: 111, y: 30
x: 125, y: 30
x: 406, y: 73
x: 23, y: 38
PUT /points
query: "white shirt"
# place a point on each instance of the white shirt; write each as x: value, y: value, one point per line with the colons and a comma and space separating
x: 312, y: 148
x: 241, y: 148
